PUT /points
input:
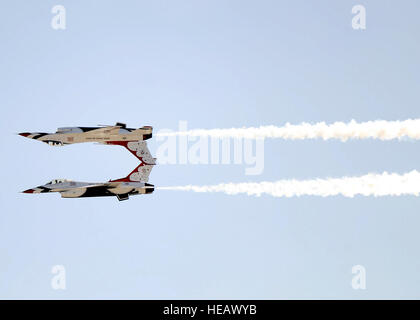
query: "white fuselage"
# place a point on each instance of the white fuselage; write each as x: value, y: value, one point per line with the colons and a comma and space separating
x: 74, y: 189
x: 70, y: 135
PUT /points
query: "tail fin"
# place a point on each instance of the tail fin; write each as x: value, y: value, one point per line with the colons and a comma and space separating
x: 138, y: 148
x: 140, y: 174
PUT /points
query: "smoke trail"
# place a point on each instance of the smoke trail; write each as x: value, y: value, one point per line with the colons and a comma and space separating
x: 378, y: 129
x: 385, y: 184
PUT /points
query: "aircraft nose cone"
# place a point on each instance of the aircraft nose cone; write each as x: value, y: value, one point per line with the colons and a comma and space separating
x: 28, y: 191
x: 24, y: 134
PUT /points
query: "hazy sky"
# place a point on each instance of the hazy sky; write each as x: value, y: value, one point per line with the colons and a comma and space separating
x: 215, y: 64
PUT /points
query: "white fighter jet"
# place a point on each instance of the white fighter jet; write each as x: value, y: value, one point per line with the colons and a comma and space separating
x: 131, y: 139
x: 103, y: 134
x: 135, y: 183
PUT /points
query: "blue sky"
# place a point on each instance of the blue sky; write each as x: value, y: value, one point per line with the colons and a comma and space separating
x: 215, y: 64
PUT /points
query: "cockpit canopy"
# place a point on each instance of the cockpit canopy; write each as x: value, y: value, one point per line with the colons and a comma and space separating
x: 55, y: 181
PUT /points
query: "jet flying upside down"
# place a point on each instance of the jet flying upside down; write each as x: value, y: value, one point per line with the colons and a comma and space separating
x: 70, y: 135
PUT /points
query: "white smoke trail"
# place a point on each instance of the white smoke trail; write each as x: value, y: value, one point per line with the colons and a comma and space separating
x: 378, y: 129
x: 385, y: 184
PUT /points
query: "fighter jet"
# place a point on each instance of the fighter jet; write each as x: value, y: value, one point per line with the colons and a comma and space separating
x: 134, y: 183
x: 102, y: 134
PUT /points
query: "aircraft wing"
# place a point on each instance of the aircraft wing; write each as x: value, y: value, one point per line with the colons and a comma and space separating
x: 77, y: 185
